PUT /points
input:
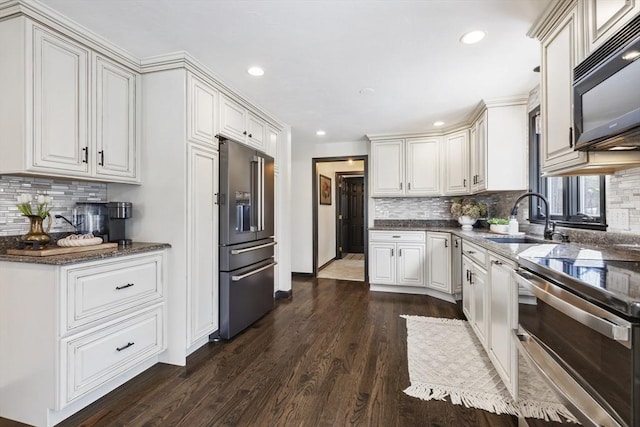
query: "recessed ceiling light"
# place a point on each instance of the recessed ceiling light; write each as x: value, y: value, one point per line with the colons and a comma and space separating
x: 321, y: 133
x: 438, y: 123
x: 632, y: 55
x: 256, y: 71
x: 472, y: 37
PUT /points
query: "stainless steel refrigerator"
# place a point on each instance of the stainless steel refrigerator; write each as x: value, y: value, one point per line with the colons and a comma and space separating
x: 247, y: 242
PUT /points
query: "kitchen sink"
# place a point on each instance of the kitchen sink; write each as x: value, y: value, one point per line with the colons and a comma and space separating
x: 520, y: 239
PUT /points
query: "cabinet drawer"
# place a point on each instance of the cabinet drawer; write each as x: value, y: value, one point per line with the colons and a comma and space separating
x: 98, y: 291
x: 397, y: 236
x: 92, y: 359
x: 476, y: 253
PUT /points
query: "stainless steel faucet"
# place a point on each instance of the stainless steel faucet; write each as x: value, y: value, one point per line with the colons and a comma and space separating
x: 549, y: 226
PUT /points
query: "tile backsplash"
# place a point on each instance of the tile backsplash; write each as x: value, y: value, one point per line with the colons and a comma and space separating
x: 499, y: 205
x: 623, y: 201
x: 65, y: 194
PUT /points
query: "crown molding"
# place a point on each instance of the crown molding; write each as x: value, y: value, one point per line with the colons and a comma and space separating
x: 553, y: 13
x: 48, y: 17
x: 184, y: 60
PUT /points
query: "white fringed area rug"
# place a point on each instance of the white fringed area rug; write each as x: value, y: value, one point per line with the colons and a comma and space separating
x: 446, y: 359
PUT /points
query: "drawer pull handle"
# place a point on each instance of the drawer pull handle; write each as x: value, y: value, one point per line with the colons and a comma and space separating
x: 129, y: 344
x: 471, y: 252
x: 396, y: 237
x: 128, y: 285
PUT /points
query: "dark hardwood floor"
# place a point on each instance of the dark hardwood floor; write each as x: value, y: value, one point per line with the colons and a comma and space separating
x: 333, y: 355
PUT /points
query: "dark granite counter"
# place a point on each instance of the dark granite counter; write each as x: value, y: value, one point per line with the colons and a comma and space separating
x: 73, y: 258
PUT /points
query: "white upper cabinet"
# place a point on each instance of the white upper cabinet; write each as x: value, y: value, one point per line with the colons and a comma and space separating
x: 68, y: 110
x: 406, y: 167
x: 560, y: 53
x: 499, y: 147
x: 456, y: 163
x: 603, y: 18
x: 423, y: 166
x: 387, y: 168
x: 478, y: 164
x: 60, y: 104
x: 117, y: 90
x: 202, y: 112
x: 240, y: 124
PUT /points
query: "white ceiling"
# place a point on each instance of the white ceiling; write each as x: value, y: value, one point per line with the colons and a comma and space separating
x: 319, y: 54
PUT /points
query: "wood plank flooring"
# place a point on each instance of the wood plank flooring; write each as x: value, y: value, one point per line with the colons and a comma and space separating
x: 333, y: 355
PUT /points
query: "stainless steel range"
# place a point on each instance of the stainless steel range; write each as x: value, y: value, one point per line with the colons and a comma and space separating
x: 579, y: 325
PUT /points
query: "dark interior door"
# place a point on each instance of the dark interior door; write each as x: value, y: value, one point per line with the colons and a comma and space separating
x: 343, y: 218
x: 355, y: 194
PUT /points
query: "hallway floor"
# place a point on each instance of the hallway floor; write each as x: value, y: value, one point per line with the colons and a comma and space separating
x: 351, y: 267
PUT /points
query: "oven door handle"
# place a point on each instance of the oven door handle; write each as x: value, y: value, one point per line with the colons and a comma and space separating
x: 252, y: 272
x: 577, y: 400
x: 577, y: 308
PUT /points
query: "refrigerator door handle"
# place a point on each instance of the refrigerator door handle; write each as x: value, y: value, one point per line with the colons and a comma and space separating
x: 255, y: 196
x: 251, y: 273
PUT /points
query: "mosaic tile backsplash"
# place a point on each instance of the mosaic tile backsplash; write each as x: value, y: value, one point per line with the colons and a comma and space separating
x: 499, y: 205
x: 65, y: 194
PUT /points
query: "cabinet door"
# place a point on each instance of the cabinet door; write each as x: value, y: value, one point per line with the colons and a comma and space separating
x: 478, y: 280
x: 60, y: 104
x: 605, y: 17
x: 439, y: 261
x: 116, y: 90
x: 479, y: 154
x: 382, y: 263
x: 456, y: 265
x: 257, y: 130
x: 503, y: 306
x: 559, y: 56
x: 423, y: 167
x: 467, y: 289
x: 202, y: 276
x: 202, y: 112
x: 410, y: 261
x: 456, y: 164
x: 388, y: 168
x: 233, y: 119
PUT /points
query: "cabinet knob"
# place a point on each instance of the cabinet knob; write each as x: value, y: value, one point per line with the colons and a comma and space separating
x: 244, y: 133
x: 250, y: 136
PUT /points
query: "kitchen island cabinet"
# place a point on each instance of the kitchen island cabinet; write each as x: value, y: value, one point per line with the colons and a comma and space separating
x: 72, y: 333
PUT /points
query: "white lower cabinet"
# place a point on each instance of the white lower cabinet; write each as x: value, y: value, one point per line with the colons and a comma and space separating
x: 475, y: 290
x: 503, y: 305
x: 79, y: 331
x: 397, y: 258
x: 439, y: 261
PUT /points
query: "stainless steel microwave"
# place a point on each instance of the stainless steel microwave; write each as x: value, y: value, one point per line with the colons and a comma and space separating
x: 606, y: 94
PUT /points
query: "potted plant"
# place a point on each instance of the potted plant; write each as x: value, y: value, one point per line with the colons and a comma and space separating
x: 467, y: 211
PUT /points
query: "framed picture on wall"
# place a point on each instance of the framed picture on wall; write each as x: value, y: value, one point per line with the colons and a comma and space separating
x: 325, y: 190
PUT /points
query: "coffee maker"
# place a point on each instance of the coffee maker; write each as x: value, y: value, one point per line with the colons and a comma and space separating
x: 119, y: 212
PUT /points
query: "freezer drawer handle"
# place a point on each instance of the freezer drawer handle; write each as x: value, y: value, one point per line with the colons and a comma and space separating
x: 579, y: 310
x: 253, y: 248
x: 251, y: 273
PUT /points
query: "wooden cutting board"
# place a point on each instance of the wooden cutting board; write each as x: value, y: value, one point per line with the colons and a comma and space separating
x: 59, y: 250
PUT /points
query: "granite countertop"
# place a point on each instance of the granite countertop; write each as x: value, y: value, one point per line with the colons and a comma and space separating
x: 73, y: 258
x: 514, y: 251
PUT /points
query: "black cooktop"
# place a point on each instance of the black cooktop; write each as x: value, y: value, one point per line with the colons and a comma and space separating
x: 612, y: 284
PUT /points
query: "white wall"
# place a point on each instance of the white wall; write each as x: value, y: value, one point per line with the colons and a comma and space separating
x: 327, y: 213
x: 301, y: 194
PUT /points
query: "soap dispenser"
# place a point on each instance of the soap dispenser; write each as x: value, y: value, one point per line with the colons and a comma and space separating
x: 513, y: 225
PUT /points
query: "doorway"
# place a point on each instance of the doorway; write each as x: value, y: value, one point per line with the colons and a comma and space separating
x: 340, y: 217
x: 350, y: 214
